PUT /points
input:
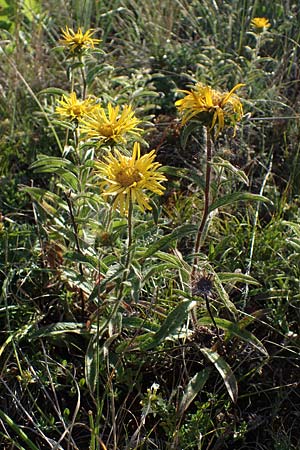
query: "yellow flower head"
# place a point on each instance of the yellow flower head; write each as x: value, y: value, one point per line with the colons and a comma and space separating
x: 110, y: 126
x: 79, y: 41
x: 129, y: 177
x: 73, y: 109
x: 260, y: 23
x: 211, y: 107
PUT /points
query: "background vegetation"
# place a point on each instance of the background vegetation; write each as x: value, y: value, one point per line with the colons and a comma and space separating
x: 77, y: 372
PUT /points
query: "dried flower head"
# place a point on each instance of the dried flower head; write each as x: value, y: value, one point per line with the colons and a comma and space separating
x: 129, y: 177
x: 112, y: 125
x: 211, y: 107
x: 77, y: 42
x: 260, y: 23
x: 202, y: 284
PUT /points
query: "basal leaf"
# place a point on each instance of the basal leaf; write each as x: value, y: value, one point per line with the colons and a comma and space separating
x: 224, y: 370
x: 195, y: 385
x: 92, y: 363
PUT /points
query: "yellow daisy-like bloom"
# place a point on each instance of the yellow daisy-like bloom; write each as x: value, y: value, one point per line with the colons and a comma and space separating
x: 77, y: 41
x: 73, y: 109
x: 211, y: 107
x: 110, y: 126
x: 129, y: 177
x: 260, y: 23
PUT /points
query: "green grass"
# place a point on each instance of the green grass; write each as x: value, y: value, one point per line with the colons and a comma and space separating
x: 106, y: 343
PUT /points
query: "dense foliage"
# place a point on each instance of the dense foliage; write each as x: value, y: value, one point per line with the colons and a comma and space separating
x: 149, y: 225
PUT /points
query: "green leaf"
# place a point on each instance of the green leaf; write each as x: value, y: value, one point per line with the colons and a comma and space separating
x: 157, y: 269
x: 183, y: 230
x: 223, y: 294
x: 219, y: 162
x: 31, y: 8
x: 22, y: 435
x: 59, y: 166
x: 233, y: 329
x: 233, y: 277
x: 16, y: 336
x: 59, y: 328
x: 236, y: 197
x: 48, y: 163
x: 186, y: 132
x: 195, y: 384
x: 224, y: 370
x: 92, y: 363
x: 191, y: 175
x: 53, y: 91
x: 171, y: 326
x: 92, y: 261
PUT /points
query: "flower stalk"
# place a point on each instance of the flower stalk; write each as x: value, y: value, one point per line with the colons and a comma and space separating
x: 205, y: 213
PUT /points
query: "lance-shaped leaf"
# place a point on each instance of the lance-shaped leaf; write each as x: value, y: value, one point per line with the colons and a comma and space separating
x: 224, y: 370
x: 184, y: 230
x: 171, y: 326
x: 232, y: 329
x: 236, y: 197
x: 194, y: 386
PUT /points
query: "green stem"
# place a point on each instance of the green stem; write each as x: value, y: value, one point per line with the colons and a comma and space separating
x: 206, y: 202
x: 129, y: 243
x: 76, y: 234
x: 84, y: 86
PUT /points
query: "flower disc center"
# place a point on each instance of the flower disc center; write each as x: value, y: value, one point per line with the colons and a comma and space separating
x: 129, y: 176
x: 106, y: 130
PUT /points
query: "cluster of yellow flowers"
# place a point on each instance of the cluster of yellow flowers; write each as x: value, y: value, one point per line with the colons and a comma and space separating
x: 123, y: 177
x: 94, y: 121
x: 129, y: 177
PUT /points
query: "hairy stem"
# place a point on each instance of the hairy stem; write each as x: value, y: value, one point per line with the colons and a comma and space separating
x: 75, y: 228
x: 206, y: 202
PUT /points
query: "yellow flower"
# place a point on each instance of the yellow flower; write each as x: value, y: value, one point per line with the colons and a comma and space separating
x: 260, y: 23
x: 211, y: 107
x: 129, y: 177
x: 111, y: 126
x: 77, y: 42
x: 74, y: 109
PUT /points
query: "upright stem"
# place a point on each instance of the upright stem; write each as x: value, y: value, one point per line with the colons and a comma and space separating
x: 206, y: 202
x: 130, y: 229
x: 129, y: 243
x: 76, y: 236
x: 84, y: 86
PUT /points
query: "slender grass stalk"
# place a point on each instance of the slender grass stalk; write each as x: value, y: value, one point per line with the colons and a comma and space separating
x: 254, y: 229
x: 13, y: 65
